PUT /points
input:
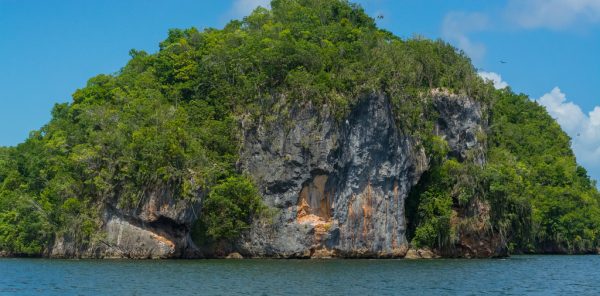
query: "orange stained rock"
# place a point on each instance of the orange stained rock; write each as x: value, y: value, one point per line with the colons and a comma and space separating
x: 351, y: 218
x: 367, y: 210
x: 303, y: 209
x: 321, y: 225
x: 310, y: 219
x: 150, y: 209
x: 313, y: 198
x: 164, y: 240
x: 304, y: 215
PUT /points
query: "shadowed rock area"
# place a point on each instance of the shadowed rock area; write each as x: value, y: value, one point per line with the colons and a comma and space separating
x: 158, y: 228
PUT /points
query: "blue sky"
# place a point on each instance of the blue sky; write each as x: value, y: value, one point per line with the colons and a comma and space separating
x: 49, y: 48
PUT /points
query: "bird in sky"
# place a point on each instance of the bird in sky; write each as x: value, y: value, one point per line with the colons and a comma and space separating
x: 380, y: 16
x: 503, y: 62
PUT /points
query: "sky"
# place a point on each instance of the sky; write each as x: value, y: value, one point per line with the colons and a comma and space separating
x: 547, y: 49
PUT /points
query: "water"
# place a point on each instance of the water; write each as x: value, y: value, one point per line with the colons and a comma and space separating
x: 518, y: 275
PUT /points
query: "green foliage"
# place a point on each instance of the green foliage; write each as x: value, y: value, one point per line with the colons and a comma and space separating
x: 507, y: 180
x: 24, y: 226
x: 541, y: 198
x: 228, y: 210
x: 429, y: 208
x: 435, y: 212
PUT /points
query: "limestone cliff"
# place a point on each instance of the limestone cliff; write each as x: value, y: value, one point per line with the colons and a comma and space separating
x: 158, y: 228
x: 340, y: 186
x: 337, y: 189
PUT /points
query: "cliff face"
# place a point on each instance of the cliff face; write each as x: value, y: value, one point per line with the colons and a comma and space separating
x: 340, y: 188
x: 158, y: 228
x: 337, y: 188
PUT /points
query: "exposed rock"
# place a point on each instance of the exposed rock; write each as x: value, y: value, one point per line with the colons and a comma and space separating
x: 64, y: 247
x: 412, y: 254
x: 459, y: 123
x: 158, y: 228
x: 340, y: 186
x: 323, y: 254
x: 476, y: 240
x: 159, y: 205
x: 234, y: 255
x: 127, y: 240
x: 421, y: 254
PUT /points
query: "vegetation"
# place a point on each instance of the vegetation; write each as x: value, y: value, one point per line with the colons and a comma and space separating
x: 228, y: 209
x: 549, y: 203
x: 540, y: 200
x: 171, y: 120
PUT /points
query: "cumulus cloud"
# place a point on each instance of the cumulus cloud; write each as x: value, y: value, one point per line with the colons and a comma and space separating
x: 456, y: 28
x: 242, y: 8
x: 583, y: 128
x: 494, y: 78
x: 553, y: 14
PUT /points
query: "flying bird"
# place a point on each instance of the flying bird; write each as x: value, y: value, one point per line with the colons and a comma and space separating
x: 380, y: 16
x: 503, y: 62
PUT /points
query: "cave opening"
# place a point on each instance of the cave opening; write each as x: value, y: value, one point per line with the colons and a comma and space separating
x: 411, y: 204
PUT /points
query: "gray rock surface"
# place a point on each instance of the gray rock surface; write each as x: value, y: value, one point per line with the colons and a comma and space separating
x: 158, y: 228
x: 340, y: 186
x: 460, y: 122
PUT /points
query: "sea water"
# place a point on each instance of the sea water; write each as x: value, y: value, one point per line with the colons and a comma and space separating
x: 517, y: 275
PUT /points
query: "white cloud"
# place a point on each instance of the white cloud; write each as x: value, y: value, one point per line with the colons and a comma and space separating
x: 494, y: 78
x: 553, y: 14
x: 243, y: 8
x: 456, y: 28
x: 583, y: 128
x: 568, y: 115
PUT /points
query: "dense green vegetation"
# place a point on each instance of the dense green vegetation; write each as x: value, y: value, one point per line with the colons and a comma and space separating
x: 172, y: 120
x: 540, y: 200
x: 550, y: 202
x: 228, y: 208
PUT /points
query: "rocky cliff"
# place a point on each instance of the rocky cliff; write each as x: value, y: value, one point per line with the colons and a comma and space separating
x: 337, y: 188
x: 340, y: 186
x: 158, y: 228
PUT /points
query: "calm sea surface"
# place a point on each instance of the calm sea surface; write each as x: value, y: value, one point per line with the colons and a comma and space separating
x: 518, y: 275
